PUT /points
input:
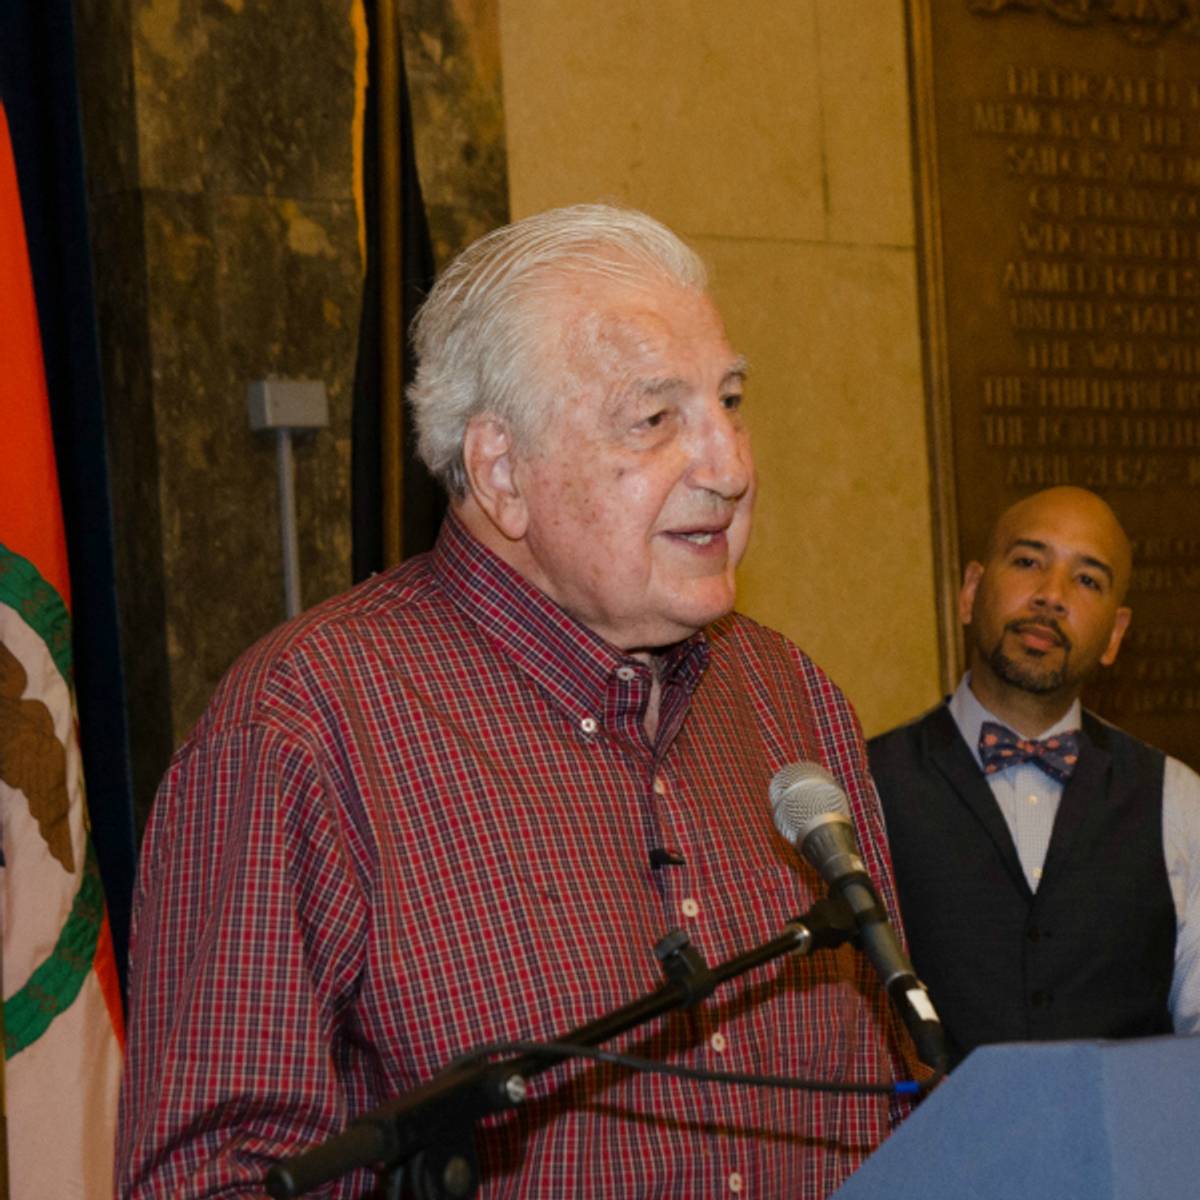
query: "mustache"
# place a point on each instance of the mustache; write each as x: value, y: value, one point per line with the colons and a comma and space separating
x: 1040, y: 623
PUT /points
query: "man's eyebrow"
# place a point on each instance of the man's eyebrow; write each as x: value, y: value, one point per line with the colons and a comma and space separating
x: 739, y: 370
x: 1098, y: 564
x: 1027, y: 543
x: 736, y: 373
x: 1088, y: 560
x: 661, y: 385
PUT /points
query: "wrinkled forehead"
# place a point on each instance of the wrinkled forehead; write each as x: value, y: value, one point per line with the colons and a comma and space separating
x: 612, y: 330
x: 613, y: 341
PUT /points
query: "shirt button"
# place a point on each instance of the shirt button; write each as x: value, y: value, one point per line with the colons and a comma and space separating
x: 625, y: 673
x: 1032, y: 798
x: 717, y: 1042
x: 1037, y: 872
x: 588, y: 724
x: 660, y: 786
x: 689, y: 907
x: 736, y: 1183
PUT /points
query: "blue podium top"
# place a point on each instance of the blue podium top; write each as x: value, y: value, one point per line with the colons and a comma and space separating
x: 1094, y: 1120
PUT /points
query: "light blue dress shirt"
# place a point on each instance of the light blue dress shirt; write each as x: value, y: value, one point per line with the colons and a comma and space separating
x: 1029, y: 798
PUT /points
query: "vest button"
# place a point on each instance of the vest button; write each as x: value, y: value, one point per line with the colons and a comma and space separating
x: 1033, y: 934
x: 1041, y: 999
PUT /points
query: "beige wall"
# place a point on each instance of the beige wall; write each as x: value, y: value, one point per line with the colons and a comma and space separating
x: 775, y: 138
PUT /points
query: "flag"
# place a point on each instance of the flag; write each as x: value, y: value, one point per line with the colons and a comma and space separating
x: 62, y: 1002
x: 39, y: 91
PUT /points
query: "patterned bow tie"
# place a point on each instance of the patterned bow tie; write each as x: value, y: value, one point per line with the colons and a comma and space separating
x: 1000, y: 747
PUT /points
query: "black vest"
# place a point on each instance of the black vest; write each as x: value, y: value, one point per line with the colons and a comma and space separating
x: 1092, y: 952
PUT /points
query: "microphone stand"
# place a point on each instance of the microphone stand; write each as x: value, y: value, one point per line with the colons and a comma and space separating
x: 426, y: 1136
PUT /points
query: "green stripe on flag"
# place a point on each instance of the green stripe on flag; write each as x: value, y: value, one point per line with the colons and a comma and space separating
x: 40, y: 606
x: 53, y: 986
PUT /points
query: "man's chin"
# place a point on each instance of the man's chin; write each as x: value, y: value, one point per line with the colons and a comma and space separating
x: 677, y: 625
x: 705, y: 610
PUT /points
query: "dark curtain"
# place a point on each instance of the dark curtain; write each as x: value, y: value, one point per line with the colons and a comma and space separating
x: 424, y: 500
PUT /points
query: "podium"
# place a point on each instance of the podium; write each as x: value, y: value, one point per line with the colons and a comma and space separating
x: 1050, y: 1121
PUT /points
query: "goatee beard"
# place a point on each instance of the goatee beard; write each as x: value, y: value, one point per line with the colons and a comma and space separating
x: 1028, y: 676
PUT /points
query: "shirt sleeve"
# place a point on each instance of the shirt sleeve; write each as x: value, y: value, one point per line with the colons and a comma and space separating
x: 1181, y: 845
x: 248, y: 937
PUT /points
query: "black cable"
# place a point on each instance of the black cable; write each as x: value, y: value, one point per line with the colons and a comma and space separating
x: 565, y: 1050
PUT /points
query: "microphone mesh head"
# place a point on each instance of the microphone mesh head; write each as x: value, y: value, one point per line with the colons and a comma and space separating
x: 801, y: 792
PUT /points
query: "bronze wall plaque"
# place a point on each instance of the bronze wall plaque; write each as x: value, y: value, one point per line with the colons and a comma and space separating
x: 1059, y: 192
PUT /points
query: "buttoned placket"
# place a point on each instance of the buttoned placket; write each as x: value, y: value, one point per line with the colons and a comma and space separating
x: 676, y: 879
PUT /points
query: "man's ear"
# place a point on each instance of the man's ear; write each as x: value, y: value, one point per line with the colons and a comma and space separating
x: 966, y: 596
x: 1120, y: 624
x: 491, y: 479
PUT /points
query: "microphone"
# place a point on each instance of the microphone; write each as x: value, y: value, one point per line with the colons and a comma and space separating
x: 811, y: 811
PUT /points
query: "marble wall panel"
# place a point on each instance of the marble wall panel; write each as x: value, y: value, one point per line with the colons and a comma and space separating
x: 244, y: 96
x: 452, y: 58
x: 250, y: 287
x: 864, y: 107
x: 706, y: 114
x: 219, y: 136
x: 288, y: 293
x: 840, y: 559
x: 210, y: 476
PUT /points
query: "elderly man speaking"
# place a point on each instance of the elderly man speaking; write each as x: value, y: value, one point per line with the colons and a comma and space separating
x: 461, y: 803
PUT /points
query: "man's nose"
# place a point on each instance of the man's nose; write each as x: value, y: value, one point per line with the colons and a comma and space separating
x: 723, y: 463
x: 1052, y: 590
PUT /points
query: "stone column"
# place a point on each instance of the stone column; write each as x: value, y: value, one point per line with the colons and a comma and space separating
x: 220, y: 144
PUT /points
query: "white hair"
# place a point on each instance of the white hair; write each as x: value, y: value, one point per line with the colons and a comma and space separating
x: 478, y: 333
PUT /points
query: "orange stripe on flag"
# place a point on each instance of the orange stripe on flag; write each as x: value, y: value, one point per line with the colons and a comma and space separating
x: 30, y: 518
x: 104, y: 963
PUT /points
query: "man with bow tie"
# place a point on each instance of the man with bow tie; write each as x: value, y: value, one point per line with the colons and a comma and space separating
x: 1048, y: 864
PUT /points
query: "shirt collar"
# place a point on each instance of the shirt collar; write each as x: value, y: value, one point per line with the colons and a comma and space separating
x: 969, y: 715
x: 573, y: 664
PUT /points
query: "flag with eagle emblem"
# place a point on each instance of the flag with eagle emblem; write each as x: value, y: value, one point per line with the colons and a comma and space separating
x: 62, y: 1007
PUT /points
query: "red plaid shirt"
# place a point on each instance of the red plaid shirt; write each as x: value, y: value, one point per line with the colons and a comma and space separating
x: 417, y: 819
